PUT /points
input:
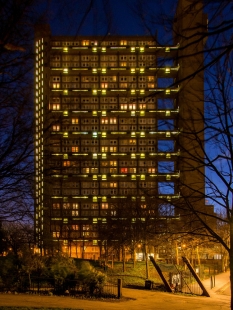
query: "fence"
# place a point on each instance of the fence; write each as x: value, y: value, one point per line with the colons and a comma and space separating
x: 75, y: 288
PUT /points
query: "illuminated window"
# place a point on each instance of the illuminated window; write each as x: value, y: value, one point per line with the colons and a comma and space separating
x: 66, y: 163
x: 104, y: 85
x: 75, y: 121
x: 113, y: 148
x: 56, y: 205
x: 113, y: 120
x: 56, y: 127
x: 56, y: 85
x: 132, y: 141
x: 151, y: 170
x: 104, y: 120
x: 104, y: 205
x: 113, y: 163
x: 104, y: 149
x: 113, y: 184
x: 124, y: 170
x: 123, y: 42
x: 142, y: 106
x: 66, y: 205
x: 56, y: 106
x: 85, y: 42
x: 56, y: 234
x: 74, y: 148
x: 75, y: 227
x: 75, y: 205
x: 132, y: 106
x: 123, y: 106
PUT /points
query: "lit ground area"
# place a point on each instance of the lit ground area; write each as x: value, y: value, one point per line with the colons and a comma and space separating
x: 136, y: 299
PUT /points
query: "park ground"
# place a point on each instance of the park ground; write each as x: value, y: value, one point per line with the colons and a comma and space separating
x: 132, y: 299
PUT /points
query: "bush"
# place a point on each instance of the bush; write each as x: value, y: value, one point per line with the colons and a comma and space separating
x: 90, y: 278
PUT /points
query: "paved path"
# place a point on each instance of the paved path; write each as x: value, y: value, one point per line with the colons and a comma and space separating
x: 222, y: 281
x: 136, y: 300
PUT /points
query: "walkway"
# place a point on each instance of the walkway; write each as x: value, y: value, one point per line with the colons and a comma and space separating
x: 136, y: 300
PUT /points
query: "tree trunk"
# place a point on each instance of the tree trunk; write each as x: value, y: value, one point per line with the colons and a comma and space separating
x: 123, y: 258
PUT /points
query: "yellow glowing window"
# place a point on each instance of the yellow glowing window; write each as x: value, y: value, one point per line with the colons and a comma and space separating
x: 104, y: 205
x: 104, y: 148
x: 74, y: 149
x: 167, y: 49
x: 65, y: 70
x: 142, y: 177
x: 94, y: 113
x: 94, y: 134
x: 94, y: 91
x: 65, y: 49
x: 133, y: 91
x: 132, y: 141
x: 103, y: 49
x: 65, y: 113
x: 168, y: 91
x: 132, y: 70
x: 151, y: 170
x: 142, y: 106
x: 103, y: 70
x: 94, y: 177
x: 104, y: 156
x: 103, y: 92
x: 142, y: 134
x: 113, y: 163
x: 94, y: 199
x: 85, y: 42
x: 123, y: 64
x: 65, y: 134
x: 142, y: 155
x: 167, y: 70
x: 56, y: 85
x: 142, y: 70
x: 104, y: 113
x: 133, y: 155
x: 133, y: 177
x: 56, y: 127
x: 104, y: 120
x: 75, y: 121
x: 167, y: 113
x: 94, y: 70
x: 56, y: 106
x: 113, y: 149
x: 94, y: 155
x: 142, y: 49
x: 104, y: 134
x: 113, y: 120
x: 142, y: 113
x: 94, y: 49
x: 65, y: 92
x: 123, y: 42
x: 133, y: 134
x: 142, y: 91
x: 132, y: 49
x: 66, y: 163
x: 104, y: 177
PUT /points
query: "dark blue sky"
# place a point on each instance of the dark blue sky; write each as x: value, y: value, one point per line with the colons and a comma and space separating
x: 117, y: 17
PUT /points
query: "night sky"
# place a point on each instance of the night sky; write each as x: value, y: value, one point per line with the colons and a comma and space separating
x: 115, y: 17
